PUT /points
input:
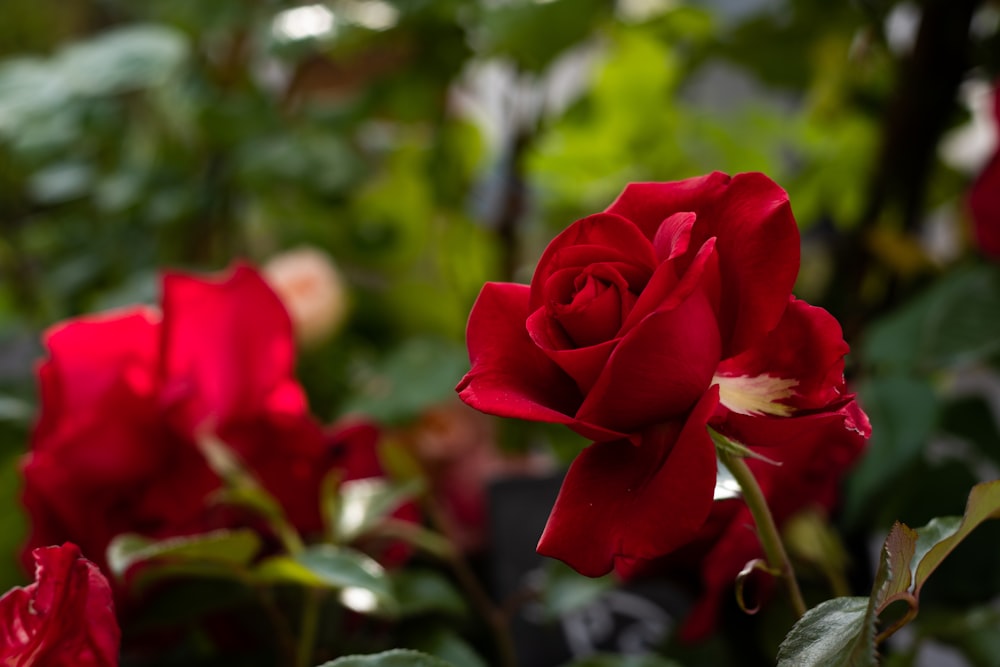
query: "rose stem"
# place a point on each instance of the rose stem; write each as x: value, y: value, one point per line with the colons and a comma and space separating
x: 767, y: 531
x: 469, y: 582
x: 307, y: 630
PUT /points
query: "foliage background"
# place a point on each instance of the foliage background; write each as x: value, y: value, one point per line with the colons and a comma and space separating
x: 431, y: 145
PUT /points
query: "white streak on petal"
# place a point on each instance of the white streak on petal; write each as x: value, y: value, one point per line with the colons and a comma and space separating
x: 757, y: 395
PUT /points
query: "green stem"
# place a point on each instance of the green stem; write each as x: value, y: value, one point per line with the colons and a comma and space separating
x: 767, y: 530
x: 493, y: 615
x: 307, y: 630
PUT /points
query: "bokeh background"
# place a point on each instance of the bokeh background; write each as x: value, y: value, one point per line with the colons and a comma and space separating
x: 384, y: 158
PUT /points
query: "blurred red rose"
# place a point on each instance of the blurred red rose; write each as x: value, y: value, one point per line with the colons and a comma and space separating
x: 670, y: 311
x: 65, y: 619
x: 126, y: 395
x: 984, y: 197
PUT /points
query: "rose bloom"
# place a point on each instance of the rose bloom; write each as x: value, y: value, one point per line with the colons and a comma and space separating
x: 814, y: 452
x: 310, y: 286
x: 65, y: 619
x: 643, y: 325
x: 127, y: 395
x: 984, y: 197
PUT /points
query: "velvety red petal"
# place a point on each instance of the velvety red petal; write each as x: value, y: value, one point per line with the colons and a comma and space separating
x: 674, y: 236
x: 88, y: 356
x: 649, y: 204
x: 803, y: 357
x: 758, y: 246
x: 660, y: 368
x: 667, y: 287
x: 227, y: 343
x: 815, y: 452
x: 605, y: 238
x: 510, y: 375
x: 65, y: 619
x: 620, y: 500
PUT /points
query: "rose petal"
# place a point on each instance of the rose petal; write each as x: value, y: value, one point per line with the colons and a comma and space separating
x: 758, y: 242
x: 798, y: 366
x: 87, y: 356
x: 674, y: 236
x: 649, y: 204
x: 510, y: 375
x: 625, y: 501
x: 659, y: 369
x: 220, y: 368
x: 815, y: 452
x: 758, y: 246
x: 604, y: 237
x: 66, y: 618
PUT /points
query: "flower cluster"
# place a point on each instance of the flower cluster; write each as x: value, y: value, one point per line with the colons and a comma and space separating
x: 647, y: 327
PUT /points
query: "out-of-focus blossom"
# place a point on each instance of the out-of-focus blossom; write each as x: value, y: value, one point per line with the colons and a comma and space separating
x: 312, y: 289
x: 66, y: 618
x: 457, y: 447
x: 984, y: 197
x: 127, y: 396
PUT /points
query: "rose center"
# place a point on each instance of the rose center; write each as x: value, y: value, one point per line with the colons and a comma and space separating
x: 593, y: 311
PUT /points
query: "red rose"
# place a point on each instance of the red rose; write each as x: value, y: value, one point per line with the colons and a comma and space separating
x: 814, y: 452
x: 65, y: 619
x: 125, y: 397
x: 984, y: 197
x: 670, y: 311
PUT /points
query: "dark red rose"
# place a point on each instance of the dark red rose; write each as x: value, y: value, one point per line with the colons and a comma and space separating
x: 984, y: 197
x: 65, y: 619
x: 814, y: 451
x: 125, y: 397
x: 670, y: 311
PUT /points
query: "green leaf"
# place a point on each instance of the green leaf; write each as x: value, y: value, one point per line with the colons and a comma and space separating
x: 837, y: 633
x: 910, y: 556
x: 364, y: 503
x: 955, y: 321
x: 614, y: 660
x: 394, y: 658
x: 231, y: 548
x: 362, y: 582
x: 893, y: 578
x: 534, y: 33
x: 15, y: 410
x: 416, y: 535
x: 940, y: 537
x: 134, y: 56
x: 446, y: 644
x: 243, y: 490
x: 419, y: 373
x: 422, y: 591
x: 903, y: 411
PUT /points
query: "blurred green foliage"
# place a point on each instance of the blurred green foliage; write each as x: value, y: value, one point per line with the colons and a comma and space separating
x: 431, y: 145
